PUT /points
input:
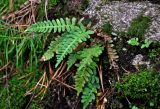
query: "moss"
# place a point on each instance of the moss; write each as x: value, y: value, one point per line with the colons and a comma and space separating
x: 107, y: 27
x: 13, y: 96
x: 84, y: 5
x: 153, y: 53
x: 143, y: 85
x: 138, y: 27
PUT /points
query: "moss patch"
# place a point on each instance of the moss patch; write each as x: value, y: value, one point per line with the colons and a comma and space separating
x: 143, y: 85
x: 139, y: 26
x: 107, y: 27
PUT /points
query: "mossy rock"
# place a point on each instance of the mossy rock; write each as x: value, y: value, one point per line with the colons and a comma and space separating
x: 142, y: 85
x: 139, y: 27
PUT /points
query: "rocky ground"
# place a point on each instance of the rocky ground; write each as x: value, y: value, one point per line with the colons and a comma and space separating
x: 121, y: 13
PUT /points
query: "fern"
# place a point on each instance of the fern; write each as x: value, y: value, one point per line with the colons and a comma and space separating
x: 72, y: 60
x: 90, y: 90
x: 51, y: 49
x: 87, y: 55
x: 86, y: 66
x: 58, y: 25
x: 82, y: 76
x: 73, y: 38
x: 73, y: 35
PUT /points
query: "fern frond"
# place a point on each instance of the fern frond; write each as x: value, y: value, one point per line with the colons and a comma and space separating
x: 88, y: 54
x: 86, y: 66
x: 90, y: 90
x: 53, y: 47
x: 58, y: 25
x: 73, y: 38
x: 72, y: 59
x: 82, y: 76
x: 112, y: 55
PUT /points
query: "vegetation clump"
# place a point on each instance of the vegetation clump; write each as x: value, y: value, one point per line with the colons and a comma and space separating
x: 139, y: 26
x: 58, y: 62
x: 142, y: 85
x: 107, y: 27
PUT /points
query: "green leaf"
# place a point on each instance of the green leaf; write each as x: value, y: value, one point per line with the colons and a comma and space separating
x: 133, y: 41
x: 73, y: 38
x: 58, y: 25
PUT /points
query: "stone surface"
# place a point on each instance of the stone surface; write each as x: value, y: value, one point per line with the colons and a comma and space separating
x: 120, y: 14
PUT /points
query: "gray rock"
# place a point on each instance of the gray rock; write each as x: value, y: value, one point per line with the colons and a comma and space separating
x: 138, y: 60
x: 120, y: 14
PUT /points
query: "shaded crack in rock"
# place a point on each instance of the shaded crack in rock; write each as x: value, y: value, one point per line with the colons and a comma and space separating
x: 120, y: 14
x: 138, y: 60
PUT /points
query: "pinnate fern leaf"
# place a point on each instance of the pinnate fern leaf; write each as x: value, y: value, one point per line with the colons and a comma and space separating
x: 82, y: 76
x: 72, y: 60
x: 88, y: 54
x: 58, y: 25
x: 52, y: 49
x: 86, y: 66
x: 90, y: 90
x: 73, y: 38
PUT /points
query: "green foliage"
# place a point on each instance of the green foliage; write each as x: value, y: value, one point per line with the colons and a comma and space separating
x: 139, y: 26
x: 146, y: 44
x: 86, y: 80
x: 133, y: 41
x: 142, y: 85
x: 58, y: 25
x: 22, y: 52
x: 90, y: 90
x: 12, y: 94
x: 53, y: 2
x: 153, y: 53
x: 15, y: 45
x: 4, y: 6
x: 86, y: 66
x: 66, y: 44
x: 51, y: 49
x: 107, y: 27
x: 72, y: 36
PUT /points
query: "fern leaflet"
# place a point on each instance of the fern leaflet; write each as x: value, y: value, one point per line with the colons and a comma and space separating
x: 51, y: 49
x: 72, y: 59
x: 58, y: 25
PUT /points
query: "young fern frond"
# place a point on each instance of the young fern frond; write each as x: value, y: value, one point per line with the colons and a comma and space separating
x: 58, y: 25
x: 86, y: 66
x: 73, y: 38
